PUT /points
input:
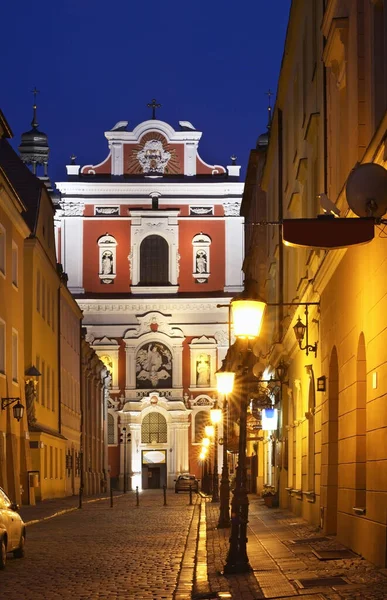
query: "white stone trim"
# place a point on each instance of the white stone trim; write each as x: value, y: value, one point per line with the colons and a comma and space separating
x: 234, y: 253
x: 107, y: 249
x: 72, y: 254
x: 154, y: 289
x: 145, y: 223
x: 118, y: 189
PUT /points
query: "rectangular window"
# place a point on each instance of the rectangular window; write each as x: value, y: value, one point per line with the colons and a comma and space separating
x: 37, y: 389
x: 2, y: 347
x: 15, y: 355
x: 43, y: 298
x: 45, y: 462
x: 56, y: 463
x: 61, y: 463
x: 48, y: 381
x: 15, y: 264
x: 38, y: 291
x: 43, y: 383
x: 48, y: 306
x: 53, y: 313
x: 51, y: 462
x: 2, y: 250
x: 53, y: 391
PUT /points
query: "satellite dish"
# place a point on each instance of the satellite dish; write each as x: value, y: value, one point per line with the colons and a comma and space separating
x: 367, y: 190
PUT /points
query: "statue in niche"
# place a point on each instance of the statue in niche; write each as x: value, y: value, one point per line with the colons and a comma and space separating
x: 107, y: 263
x: 30, y: 390
x: 154, y: 366
x: 203, y: 370
x: 201, y: 261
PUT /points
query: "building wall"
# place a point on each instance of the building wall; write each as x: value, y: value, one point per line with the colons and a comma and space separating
x: 333, y: 440
x: 70, y: 384
x: 15, y: 459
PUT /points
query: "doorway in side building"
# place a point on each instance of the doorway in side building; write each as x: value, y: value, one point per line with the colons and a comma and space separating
x: 154, y: 469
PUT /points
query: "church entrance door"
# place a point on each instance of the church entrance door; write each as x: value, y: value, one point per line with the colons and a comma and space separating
x: 153, y: 478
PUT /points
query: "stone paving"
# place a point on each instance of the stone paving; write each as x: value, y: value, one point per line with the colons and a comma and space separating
x: 173, y: 552
x: 278, y: 563
x: 105, y: 553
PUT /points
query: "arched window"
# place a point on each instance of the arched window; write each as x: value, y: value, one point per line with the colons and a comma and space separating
x: 154, y: 257
x: 154, y: 429
x: 202, y: 419
x: 110, y: 429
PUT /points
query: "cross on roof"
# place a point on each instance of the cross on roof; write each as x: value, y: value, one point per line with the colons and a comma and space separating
x: 269, y: 94
x: 153, y: 105
x: 35, y: 92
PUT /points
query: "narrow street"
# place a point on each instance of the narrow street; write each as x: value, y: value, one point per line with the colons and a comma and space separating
x: 106, y: 553
x: 175, y: 552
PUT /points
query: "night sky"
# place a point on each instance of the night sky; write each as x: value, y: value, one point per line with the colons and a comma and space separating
x: 96, y: 63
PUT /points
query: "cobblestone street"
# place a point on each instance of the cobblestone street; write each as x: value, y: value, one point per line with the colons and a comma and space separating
x: 106, y: 553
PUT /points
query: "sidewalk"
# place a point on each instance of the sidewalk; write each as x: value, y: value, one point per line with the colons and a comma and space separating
x: 280, y: 556
x: 55, y: 506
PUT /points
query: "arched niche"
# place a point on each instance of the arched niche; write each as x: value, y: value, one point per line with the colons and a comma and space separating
x: 154, y: 259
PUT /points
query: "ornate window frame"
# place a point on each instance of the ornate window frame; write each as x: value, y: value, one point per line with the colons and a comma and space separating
x: 201, y: 243
x: 114, y: 414
x: 107, y: 246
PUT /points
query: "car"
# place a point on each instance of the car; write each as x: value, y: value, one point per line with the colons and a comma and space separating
x: 184, y: 481
x: 12, y: 530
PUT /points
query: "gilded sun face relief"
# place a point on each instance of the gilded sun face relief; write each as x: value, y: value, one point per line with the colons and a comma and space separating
x: 153, y: 155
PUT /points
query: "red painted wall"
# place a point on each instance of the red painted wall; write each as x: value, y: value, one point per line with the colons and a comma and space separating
x: 92, y: 230
x: 216, y: 231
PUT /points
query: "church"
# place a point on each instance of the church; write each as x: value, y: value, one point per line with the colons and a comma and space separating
x: 152, y: 241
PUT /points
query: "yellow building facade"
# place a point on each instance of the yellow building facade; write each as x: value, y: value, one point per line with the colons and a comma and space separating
x: 15, y: 459
x: 329, y: 455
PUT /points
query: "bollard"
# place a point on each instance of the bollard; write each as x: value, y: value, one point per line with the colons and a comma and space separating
x: 165, y: 494
x: 137, y: 497
x: 190, y: 494
x: 111, y: 497
x: 80, y: 496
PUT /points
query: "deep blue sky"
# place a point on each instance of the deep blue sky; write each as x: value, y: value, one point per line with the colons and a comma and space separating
x: 209, y: 62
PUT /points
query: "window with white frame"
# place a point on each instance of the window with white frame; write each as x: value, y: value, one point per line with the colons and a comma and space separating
x: 15, y: 264
x: 2, y: 250
x: 201, y: 257
x: 15, y: 355
x: 107, y: 258
x: 2, y: 347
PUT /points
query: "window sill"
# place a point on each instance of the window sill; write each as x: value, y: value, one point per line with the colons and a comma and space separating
x: 360, y: 511
x: 154, y: 289
x: 310, y: 497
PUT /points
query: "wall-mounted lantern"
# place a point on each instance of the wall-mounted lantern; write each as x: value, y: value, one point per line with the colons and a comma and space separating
x: 321, y: 383
x: 17, y: 409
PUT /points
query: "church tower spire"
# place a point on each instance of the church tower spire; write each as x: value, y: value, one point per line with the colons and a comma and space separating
x: 34, y: 149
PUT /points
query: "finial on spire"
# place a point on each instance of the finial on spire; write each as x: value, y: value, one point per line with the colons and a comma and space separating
x: 34, y: 121
x: 153, y: 105
x: 269, y: 94
x: 233, y: 159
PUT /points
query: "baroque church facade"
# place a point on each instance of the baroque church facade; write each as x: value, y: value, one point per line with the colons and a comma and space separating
x: 152, y: 241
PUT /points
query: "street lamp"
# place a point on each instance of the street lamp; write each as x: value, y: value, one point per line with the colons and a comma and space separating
x: 247, y: 312
x: 17, y: 409
x: 225, y: 386
x: 216, y: 417
x: 125, y: 438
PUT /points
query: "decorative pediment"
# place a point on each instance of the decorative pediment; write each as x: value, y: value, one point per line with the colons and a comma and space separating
x: 154, y: 322
x: 335, y: 53
x: 203, y: 340
x: 105, y: 341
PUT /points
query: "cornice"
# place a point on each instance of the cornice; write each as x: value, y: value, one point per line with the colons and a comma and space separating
x: 144, y: 306
x: 144, y: 189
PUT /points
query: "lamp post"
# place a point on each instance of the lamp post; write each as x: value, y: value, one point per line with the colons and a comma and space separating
x: 225, y: 385
x: 216, y: 417
x: 204, y: 452
x: 247, y: 312
x: 125, y: 438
